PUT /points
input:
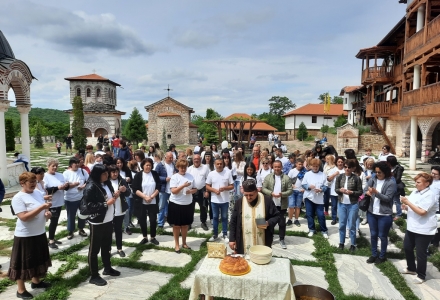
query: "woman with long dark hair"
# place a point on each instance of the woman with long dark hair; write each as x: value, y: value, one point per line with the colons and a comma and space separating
x: 126, y: 174
x: 100, y: 199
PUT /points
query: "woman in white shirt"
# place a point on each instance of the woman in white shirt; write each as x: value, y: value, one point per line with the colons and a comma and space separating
x: 421, y: 205
x: 89, y: 161
x: 331, y: 175
x: 30, y: 257
x: 121, y: 206
x: 328, y: 167
x: 238, y: 165
x: 55, y: 185
x: 146, y: 187
x: 41, y: 187
x: 180, y: 212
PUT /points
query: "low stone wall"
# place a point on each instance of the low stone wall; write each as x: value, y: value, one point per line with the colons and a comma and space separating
x: 373, y: 141
x: 14, y: 172
x: 46, y: 139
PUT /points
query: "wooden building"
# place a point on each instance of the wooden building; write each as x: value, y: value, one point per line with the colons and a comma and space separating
x: 401, y: 77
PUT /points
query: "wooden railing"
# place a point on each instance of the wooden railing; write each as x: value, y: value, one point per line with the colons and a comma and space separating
x: 414, y: 42
x: 382, y: 108
x: 394, y: 109
x: 358, y: 104
x: 433, y: 28
x: 410, y: 98
x: 375, y: 73
x: 397, y: 70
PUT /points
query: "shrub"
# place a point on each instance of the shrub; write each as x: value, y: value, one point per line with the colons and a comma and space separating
x: 302, y: 133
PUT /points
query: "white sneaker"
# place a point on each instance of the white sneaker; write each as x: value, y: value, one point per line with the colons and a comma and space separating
x: 213, y: 238
x: 406, y: 271
x: 347, y: 233
x: 325, y: 235
x: 225, y: 238
x: 311, y: 233
x: 418, y: 280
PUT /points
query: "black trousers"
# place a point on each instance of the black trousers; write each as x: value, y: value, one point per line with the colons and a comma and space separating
x: 436, y: 240
x: 200, y: 199
x: 100, y: 240
x: 421, y: 243
x: 117, y: 227
x: 151, y: 211
x: 54, y: 221
x: 282, y: 222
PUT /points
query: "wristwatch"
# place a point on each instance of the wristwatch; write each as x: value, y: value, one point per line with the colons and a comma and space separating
x: 105, y: 204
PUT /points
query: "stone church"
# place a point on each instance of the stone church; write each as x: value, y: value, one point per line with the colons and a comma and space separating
x: 173, y: 117
x: 99, y: 97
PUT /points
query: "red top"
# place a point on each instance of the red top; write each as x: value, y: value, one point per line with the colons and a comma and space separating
x: 115, y: 143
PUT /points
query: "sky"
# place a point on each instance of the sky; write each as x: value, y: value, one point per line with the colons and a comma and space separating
x: 231, y: 56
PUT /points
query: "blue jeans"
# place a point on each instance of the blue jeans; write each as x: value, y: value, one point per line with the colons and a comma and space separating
x: 223, y: 207
x: 326, y: 199
x: 24, y: 162
x: 295, y: 199
x: 318, y: 209
x: 396, y: 200
x: 347, y: 216
x: 115, y: 151
x: 71, y: 208
x: 128, y: 213
x: 379, y: 228
x: 334, y: 207
x: 163, y: 208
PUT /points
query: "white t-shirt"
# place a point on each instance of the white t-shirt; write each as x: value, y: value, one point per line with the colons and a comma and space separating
x: 427, y: 201
x: 277, y: 190
x: 345, y: 197
x: 199, y: 174
x: 218, y: 180
x: 118, y: 204
x: 27, y: 202
x: 376, y: 204
x: 177, y: 180
x: 53, y: 181
x: 283, y: 160
x: 148, y: 186
x: 261, y: 174
x: 298, y: 183
x: 383, y: 157
x: 318, y: 180
x: 239, y: 169
x: 331, y: 172
x: 170, y: 171
x: 81, y: 176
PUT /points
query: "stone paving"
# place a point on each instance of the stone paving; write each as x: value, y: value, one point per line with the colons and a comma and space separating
x: 355, y: 276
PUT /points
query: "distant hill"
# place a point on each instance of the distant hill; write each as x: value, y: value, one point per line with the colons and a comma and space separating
x: 47, y: 114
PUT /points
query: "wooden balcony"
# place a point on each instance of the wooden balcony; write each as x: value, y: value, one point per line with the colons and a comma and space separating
x: 414, y: 42
x: 433, y: 28
x: 382, y: 109
x: 410, y: 98
x: 377, y: 74
x: 358, y: 105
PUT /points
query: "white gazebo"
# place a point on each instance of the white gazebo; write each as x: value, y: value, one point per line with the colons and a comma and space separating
x: 14, y: 74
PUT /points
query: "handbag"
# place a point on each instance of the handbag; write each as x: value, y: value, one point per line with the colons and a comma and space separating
x: 364, y: 202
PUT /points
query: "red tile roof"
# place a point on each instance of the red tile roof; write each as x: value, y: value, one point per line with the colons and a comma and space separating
x: 243, y: 116
x: 350, y: 89
x: 317, y: 110
x: 90, y: 77
x: 168, y: 114
x: 238, y: 116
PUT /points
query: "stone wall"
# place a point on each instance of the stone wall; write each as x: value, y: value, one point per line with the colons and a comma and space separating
x: 176, y: 126
x: 373, y: 141
x: 347, y: 138
x: 108, y: 92
x: 46, y: 139
x: 193, y: 135
x: 293, y: 132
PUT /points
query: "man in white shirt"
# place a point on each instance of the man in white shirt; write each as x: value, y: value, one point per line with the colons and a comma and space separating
x: 270, y: 137
x: 219, y: 183
x: 99, y: 149
x: 165, y: 170
x: 280, y: 156
x: 367, y: 155
x: 197, y: 148
x: 200, y: 173
x: 385, y: 153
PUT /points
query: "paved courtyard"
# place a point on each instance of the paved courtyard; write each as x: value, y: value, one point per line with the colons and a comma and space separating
x: 157, y: 272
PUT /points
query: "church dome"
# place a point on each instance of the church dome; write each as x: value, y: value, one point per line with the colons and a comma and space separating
x: 5, y: 48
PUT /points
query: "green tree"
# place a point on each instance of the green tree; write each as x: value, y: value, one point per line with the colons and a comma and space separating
x: 38, y: 139
x: 79, y: 136
x: 302, y: 133
x: 164, y: 146
x: 208, y: 130
x: 340, y: 120
x: 273, y: 120
x: 10, y: 135
x: 280, y: 105
x: 135, y: 129
x: 324, y: 128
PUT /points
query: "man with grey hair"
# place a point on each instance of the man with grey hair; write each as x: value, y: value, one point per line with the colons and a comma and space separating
x: 257, y: 229
x: 200, y: 173
x: 165, y: 169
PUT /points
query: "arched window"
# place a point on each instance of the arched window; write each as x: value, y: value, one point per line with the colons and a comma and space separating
x: 89, y: 93
x: 78, y: 92
x: 98, y: 93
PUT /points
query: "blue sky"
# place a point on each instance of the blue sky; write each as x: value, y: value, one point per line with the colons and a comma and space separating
x: 232, y: 56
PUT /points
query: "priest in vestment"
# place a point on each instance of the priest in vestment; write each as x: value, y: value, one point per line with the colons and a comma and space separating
x: 243, y: 229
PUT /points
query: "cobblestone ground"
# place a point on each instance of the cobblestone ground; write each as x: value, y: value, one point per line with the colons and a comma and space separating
x: 157, y: 272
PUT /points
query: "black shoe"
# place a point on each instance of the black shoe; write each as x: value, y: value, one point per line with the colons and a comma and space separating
x: 333, y: 222
x: 98, y: 281
x: 111, y: 272
x: 144, y: 241
x: 205, y: 227
x: 380, y: 260
x: 57, y: 242
x: 289, y: 222
x: 53, y: 245
x: 25, y: 295
x: 127, y: 231
x: 371, y: 259
x: 82, y: 233
x: 70, y: 236
x: 154, y: 241
x: 121, y: 253
x: 41, y: 285
x: 341, y: 247
x: 352, y: 248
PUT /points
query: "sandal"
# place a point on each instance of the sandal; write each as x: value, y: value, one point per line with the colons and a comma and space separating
x: 186, y: 247
x: 177, y: 251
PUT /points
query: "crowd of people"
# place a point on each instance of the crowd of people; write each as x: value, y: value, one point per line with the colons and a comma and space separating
x: 109, y: 188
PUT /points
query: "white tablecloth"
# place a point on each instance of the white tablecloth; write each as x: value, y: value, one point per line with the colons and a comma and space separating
x: 271, y: 281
